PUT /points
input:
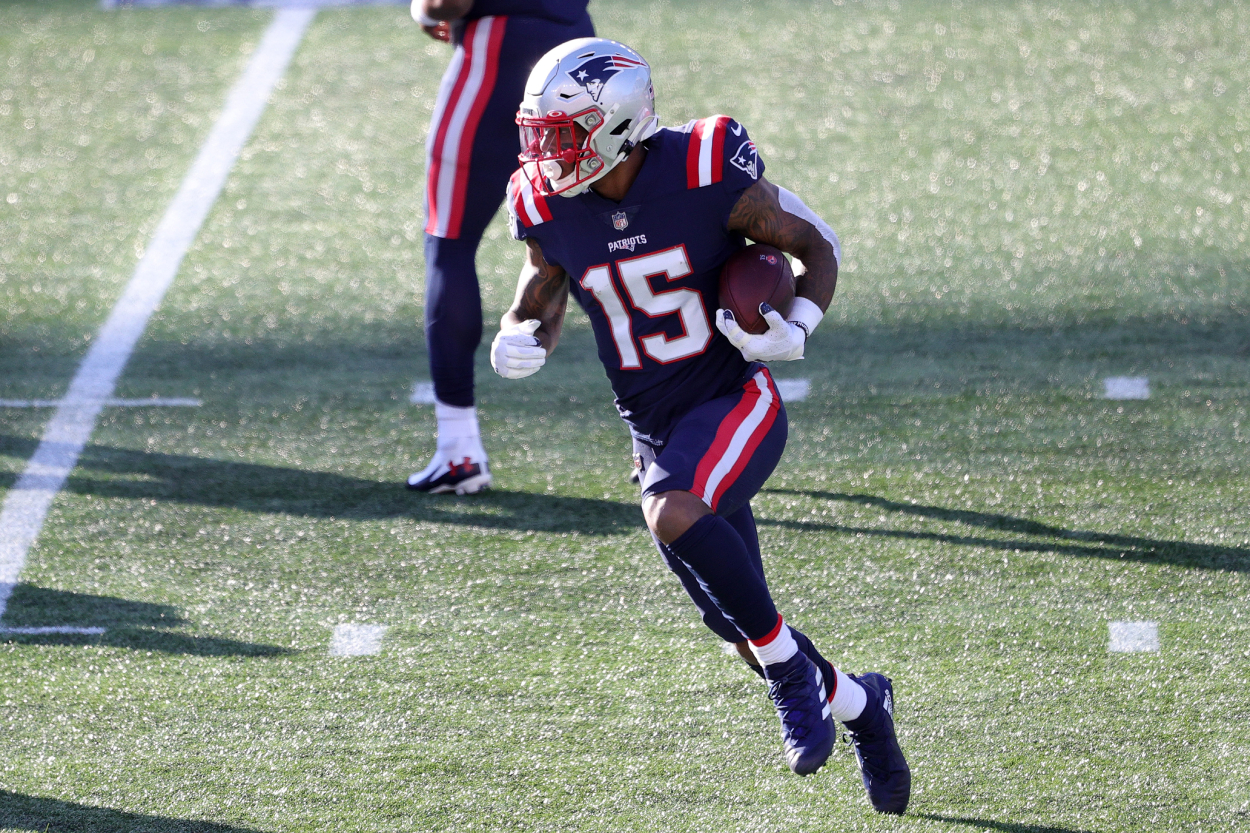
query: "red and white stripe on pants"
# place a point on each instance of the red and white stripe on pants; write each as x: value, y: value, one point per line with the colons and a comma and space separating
x: 738, y: 436
x: 462, y: 96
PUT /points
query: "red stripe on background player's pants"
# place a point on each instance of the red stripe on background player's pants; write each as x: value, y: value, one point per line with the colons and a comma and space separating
x: 464, y: 156
x: 435, y: 170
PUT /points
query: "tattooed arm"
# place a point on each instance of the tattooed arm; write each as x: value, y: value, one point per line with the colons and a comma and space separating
x: 542, y: 293
x: 759, y: 215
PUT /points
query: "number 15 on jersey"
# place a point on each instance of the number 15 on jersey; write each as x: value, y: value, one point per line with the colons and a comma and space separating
x: 635, y: 274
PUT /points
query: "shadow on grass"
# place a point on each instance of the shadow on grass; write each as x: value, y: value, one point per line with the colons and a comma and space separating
x: 27, y: 812
x: 34, y: 607
x: 123, y: 473
x: 1006, y: 827
x: 134, y: 625
x: 1060, y: 540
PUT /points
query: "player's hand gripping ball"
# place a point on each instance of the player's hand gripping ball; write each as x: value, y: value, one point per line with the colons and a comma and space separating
x: 516, y: 353
x: 755, y: 283
x: 755, y: 275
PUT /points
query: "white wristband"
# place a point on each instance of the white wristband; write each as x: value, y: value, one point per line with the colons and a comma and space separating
x: 806, y: 314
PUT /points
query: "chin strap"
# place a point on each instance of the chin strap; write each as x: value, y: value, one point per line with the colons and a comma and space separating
x: 642, y: 131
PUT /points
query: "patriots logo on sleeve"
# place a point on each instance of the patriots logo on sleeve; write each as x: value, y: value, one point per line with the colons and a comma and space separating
x: 593, y: 73
x: 746, y: 159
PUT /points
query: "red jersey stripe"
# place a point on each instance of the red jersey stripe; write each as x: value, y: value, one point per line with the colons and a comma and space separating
x: 529, y: 206
x: 705, y: 160
x: 718, y: 147
x: 692, y: 156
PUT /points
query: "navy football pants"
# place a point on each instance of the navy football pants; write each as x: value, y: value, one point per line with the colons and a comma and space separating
x: 470, y: 153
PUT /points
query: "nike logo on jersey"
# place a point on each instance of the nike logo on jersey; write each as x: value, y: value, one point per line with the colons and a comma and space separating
x: 736, y: 129
x: 628, y: 243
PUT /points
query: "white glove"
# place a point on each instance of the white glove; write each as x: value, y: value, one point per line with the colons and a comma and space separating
x: 516, y: 353
x: 783, y: 341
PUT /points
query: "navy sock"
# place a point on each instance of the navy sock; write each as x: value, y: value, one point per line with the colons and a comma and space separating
x: 716, y: 555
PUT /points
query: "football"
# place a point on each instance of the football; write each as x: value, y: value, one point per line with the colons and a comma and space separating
x: 751, y: 276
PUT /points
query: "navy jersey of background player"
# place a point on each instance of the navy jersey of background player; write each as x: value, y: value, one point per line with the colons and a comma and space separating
x: 561, y: 11
x: 646, y: 269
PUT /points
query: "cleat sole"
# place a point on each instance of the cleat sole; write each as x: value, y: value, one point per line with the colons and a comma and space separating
x: 471, y: 486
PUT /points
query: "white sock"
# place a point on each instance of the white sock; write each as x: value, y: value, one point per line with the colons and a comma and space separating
x: 777, y: 647
x: 849, y: 698
x: 456, y: 425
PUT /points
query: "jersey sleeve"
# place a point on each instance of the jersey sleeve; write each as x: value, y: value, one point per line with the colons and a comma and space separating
x: 721, y: 152
x: 526, y: 207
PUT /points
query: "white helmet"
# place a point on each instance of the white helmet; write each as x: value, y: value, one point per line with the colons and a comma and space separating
x: 587, y: 103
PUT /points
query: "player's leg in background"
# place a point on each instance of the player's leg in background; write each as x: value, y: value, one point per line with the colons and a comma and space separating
x: 470, y: 153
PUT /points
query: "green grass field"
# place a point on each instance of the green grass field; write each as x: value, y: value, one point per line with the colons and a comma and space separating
x: 1031, y: 197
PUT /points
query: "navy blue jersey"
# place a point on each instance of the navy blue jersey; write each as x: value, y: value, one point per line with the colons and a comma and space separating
x: 646, y: 269
x: 560, y: 11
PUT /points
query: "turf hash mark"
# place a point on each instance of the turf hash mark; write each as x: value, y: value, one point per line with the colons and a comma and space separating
x: 356, y: 640
x: 27, y: 503
x: 793, y: 390
x: 1126, y: 387
x: 422, y: 393
x: 1134, y: 637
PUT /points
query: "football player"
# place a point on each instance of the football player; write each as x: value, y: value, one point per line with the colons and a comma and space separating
x: 635, y: 221
x: 470, y: 154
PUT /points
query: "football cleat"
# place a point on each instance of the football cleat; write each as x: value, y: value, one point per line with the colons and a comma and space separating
x: 887, y: 778
x: 461, y: 468
x: 807, y: 729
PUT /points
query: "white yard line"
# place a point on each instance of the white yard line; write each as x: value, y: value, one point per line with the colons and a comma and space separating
x: 356, y: 640
x: 26, y: 504
x: 54, y: 629
x: 154, y: 402
x: 1133, y: 637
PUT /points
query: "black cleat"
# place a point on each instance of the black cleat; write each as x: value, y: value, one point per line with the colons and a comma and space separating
x: 887, y: 778
x: 462, y: 470
x: 807, y: 729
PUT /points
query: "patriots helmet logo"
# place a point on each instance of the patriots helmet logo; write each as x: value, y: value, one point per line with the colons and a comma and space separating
x: 594, y: 72
x: 746, y: 159
x: 620, y: 221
